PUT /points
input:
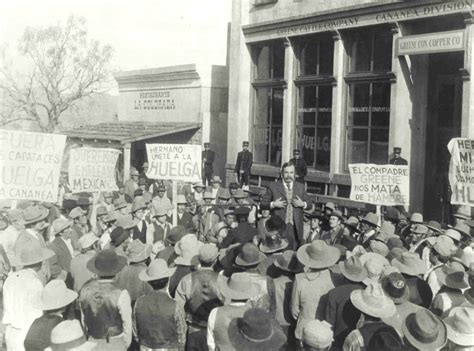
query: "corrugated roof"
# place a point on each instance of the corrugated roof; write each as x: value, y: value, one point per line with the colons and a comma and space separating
x: 126, y: 132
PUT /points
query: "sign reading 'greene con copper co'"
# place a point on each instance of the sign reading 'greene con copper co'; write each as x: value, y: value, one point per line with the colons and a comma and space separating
x: 430, y: 43
x: 155, y: 100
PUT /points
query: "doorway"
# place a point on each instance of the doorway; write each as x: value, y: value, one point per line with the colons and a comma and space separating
x: 443, y: 124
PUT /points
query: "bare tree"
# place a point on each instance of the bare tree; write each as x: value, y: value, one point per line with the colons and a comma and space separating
x: 62, y: 65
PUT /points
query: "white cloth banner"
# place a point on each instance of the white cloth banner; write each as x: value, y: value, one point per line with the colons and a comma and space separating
x: 30, y: 164
x: 92, y: 169
x: 461, y: 171
x: 387, y: 185
x: 174, y: 162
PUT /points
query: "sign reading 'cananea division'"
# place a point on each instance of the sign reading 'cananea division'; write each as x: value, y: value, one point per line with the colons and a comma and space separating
x: 174, y: 161
x: 92, y: 169
x: 461, y: 171
x: 387, y: 185
x: 30, y: 164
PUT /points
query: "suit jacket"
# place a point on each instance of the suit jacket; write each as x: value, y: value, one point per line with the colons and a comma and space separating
x: 209, y: 155
x: 186, y: 221
x: 129, y: 188
x: 62, y: 252
x: 244, y: 162
x: 398, y: 161
x: 277, y: 190
x: 243, y: 233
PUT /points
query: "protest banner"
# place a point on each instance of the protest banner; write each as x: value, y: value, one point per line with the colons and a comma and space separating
x: 92, y: 169
x: 30, y: 164
x: 174, y: 162
x: 387, y: 185
x: 461, y: 171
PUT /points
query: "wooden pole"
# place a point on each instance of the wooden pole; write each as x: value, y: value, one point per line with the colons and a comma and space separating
x: 175, y: 202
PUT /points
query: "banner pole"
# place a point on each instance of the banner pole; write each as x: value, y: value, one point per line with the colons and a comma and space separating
x: 175, y: 204
x: 378, y: 211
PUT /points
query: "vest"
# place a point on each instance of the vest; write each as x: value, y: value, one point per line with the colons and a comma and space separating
x: 140, y: 235
x: 99, y: 301
x: 39, y: 334
x: 153, y: 310
x: 368, y: 330
x: 158, y: 233
x: 224, y: 315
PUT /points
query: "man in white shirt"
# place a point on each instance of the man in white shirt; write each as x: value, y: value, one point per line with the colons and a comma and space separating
x: 10, y: 234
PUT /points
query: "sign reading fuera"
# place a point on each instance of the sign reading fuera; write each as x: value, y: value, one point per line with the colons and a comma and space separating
x: 430, y: 43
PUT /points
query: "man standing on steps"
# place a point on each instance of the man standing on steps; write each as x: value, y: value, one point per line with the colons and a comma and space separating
x: 243, y: 164
x: 208, y: 157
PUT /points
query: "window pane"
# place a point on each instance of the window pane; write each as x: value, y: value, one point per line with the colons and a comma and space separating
x: 276, y: 141
x: 277, y: 107
x: 306, y: 142
x: 323, y: 149
x: 261, y: 138
x: 325, y: 97
x: 263, y: 62
x: 379, y: 146
x: 262, y: 111
x: 383, y: 51
x: 309, y: 58
x: 357, y: 144
x: 359, y: 104
x: 326, y: 56
x: 361, y: 53
x: 307, y: 108
x: 381, y: 104
x: 278, y: 60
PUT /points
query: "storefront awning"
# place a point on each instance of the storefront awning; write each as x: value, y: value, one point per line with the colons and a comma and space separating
x: 128, y: 132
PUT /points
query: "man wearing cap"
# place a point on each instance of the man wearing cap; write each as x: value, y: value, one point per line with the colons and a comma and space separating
x: 208, y: 157
x: 106, y: 309
x: 157, y: 308
x: 131, y: 185
x: 301, y: 169
x: 397, y: 158
x: 368, y: 228
x: 22, y: 289
x: 61, y: 245
x: 288, y: 199
x: 243, y: 165
x: 88, y: 244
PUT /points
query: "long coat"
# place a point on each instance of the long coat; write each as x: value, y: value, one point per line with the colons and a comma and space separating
x: 62, y: 252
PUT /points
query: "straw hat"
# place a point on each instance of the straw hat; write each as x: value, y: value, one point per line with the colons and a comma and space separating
x: 460, y: 326
x: 106, y: 263
x: 56, y: 295
x: 424, y: 330
x: 453, y: 234
x: 444, y: 245
x: 126, y: 222
x: 34, y: 214
x: 187, y: 250
x: 181, y: 199
x: 317, y: 334
x: 87, y: 240
x: 208, y: 253
x: 465, y: 256
x: 378, y: 247
x: 416, y: 218
x: 208, y: 195
x: 111, y: 216
x: 318, y: 254
x: 375, y: 257
x: 249, y: 256
x: 387, y: 231
x: 395, y: 286
x: 288, y: 262
x: 158, y: 269
x: 216, y: 179
x: 33, y: 253
x: 119, y: 204
x: 137, y: 251
x: 420, y: 229
x: 353, y: 269
x: 454, y: 278
x: 76, y: 212
x: 59, y: 225
x: 68, y: 335
x: 463, y: 228
x: 239, y: 287
x: 434, y: 226
x: 373, y: 302
x: 372, y: 219
x: 410, y: 264
x: 330, y: 206
x: 374, y: 270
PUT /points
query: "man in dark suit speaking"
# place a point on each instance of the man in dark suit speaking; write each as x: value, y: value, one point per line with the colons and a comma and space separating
x: 288, y: 199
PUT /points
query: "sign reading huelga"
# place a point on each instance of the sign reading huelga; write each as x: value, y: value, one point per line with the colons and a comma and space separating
x: 92, y: 169
x: 387, y: 185
x: 461, y: 171
x: 30, y: 164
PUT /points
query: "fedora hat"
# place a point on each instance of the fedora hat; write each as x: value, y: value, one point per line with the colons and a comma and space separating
x: 256, y: 330
x: 138, y: 204
x: 216, y: 179
x: 378, y: 247
x: 420, y: 229
x: 273, y: 243
x: 223, y: 194
x: 318, y: 254
x: 338, y: 214
x: 59, y: 225
x: 353, y: 269
x: 444, y: 246
x: 410, y: 264
x: 463, y: 228
x: 453, y: 234
x: 32, y: 253
x: 275, y: 224
x: 106, y: 263
x: 118, y: 236
x: 395, y: 286
x: 385, y: 339
x: 208, y: 195
x: 330, y: 206
x: 119, y: 204
x: 126, y: 222
x: 137, y: 251
x: 68, y: 335
x: 424, y: 330
x: 460, y: 326
x: 434, y: 226
x: 34, y: 214
x: 112, y: 215
x: 181, y: 199
x: 453, y: 278
x: 249, y: 255
x: 352, y: 222
x: 240, y: 194
x: 416, y: 218
x: 56, y: 295
x: 288, y: 262
x: 158, y: 269
x: 87, y: 240
x: 371, y: 218
x: 317, y: 334
x: 387, y: 231
x: 464, y: 256
x: 76, y: 212
x: 239, y: 287
x: 175, y: 235
x: 373, y: 302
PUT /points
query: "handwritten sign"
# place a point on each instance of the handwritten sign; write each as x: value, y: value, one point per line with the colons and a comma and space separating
x: 387, y: 185
x: 174, y: 161
x: 92, y: 169
x: 461, y: 171
x: 30, y: 164
x: 430, y: 43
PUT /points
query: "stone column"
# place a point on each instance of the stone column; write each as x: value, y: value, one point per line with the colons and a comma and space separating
x: 289, y: 103
x: 126, y: 161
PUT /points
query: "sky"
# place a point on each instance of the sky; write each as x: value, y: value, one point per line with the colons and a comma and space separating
x: 143, y: 33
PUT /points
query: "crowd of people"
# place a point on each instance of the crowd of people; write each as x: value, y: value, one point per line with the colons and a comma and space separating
x: 239, y: 270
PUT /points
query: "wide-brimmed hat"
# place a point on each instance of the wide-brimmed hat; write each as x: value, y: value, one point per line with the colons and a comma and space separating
x: 112, y: 215
x: 256, y: 330
x: 223, y: 194
x: 87, y: 240
x: 208, y: 253
x: 249, y: 255
x: 158, y: 269
x: 242, y: 211
x: 318, y: 254
x: 208, y: 195
x: 55, y: 295
x: 453, y: 278
x: 76, y: 212
x: 464, y: 256
x: 119, y: 204
x: 338, y: 214
x: 118, y: 236
x: 32, y: 253
x: 416, y: 218
x: 59, y: 225
x: 420, y: 229
x: 395, y: 242
x: 424, y: 330
x: 239, y: 287
x: 463, y: 212
x: 181, y: 199
x: 410, y: 264
x: 460, y: 326
x: 352, y: 222
x: 353, y: 269
x: 387, y: 231
x: 395, y: 286
x: 175, y: 235
x: 373, y: 302
x: 101, y: 211
x: 137, y: 251
x: 126, y: 222
x: 453, y: 234
x: 317, y: 334
x: 444, y: 246
x: 216, y: 179
x: 106, y: 263
x: 391, y: 213
x: 374, y: 268
x: 187, y: 250
x: 396, y: 252
x: 372, y: 256
x: 275, y: 224
x: 378, y: 247
x: 434, y: 226
x: 138, y: 204
x: 34, y: 214
x: 273, y: 243
x: 330, y: 205
x: 318, y: 214
x: 68, y: 335
x: 288, y: 262
x: 371, y: 218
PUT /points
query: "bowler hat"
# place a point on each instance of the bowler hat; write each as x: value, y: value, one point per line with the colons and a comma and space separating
x: 68, y: 335
x: 273, y: 243
x: 106, y: 263
x: 373, y: 302
x: 288, y: 262
x: 157, y: 270
x: 249, y: 256
x: 352, y: 269
x: 256, y: 330
x: 410, y: 264
x: 55, y: 295
x: 424, y: 330
x: 118, y: 236
x: 460, y: 326
x: 137, y: 251
x: 371, y: 218
x: 34, y: 214
x: 239, y: 287
x: 32, y: 254
x: 395, y: 286
x: 318, y: 254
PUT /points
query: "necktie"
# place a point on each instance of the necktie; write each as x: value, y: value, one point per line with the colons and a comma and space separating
x: 289, y: 207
